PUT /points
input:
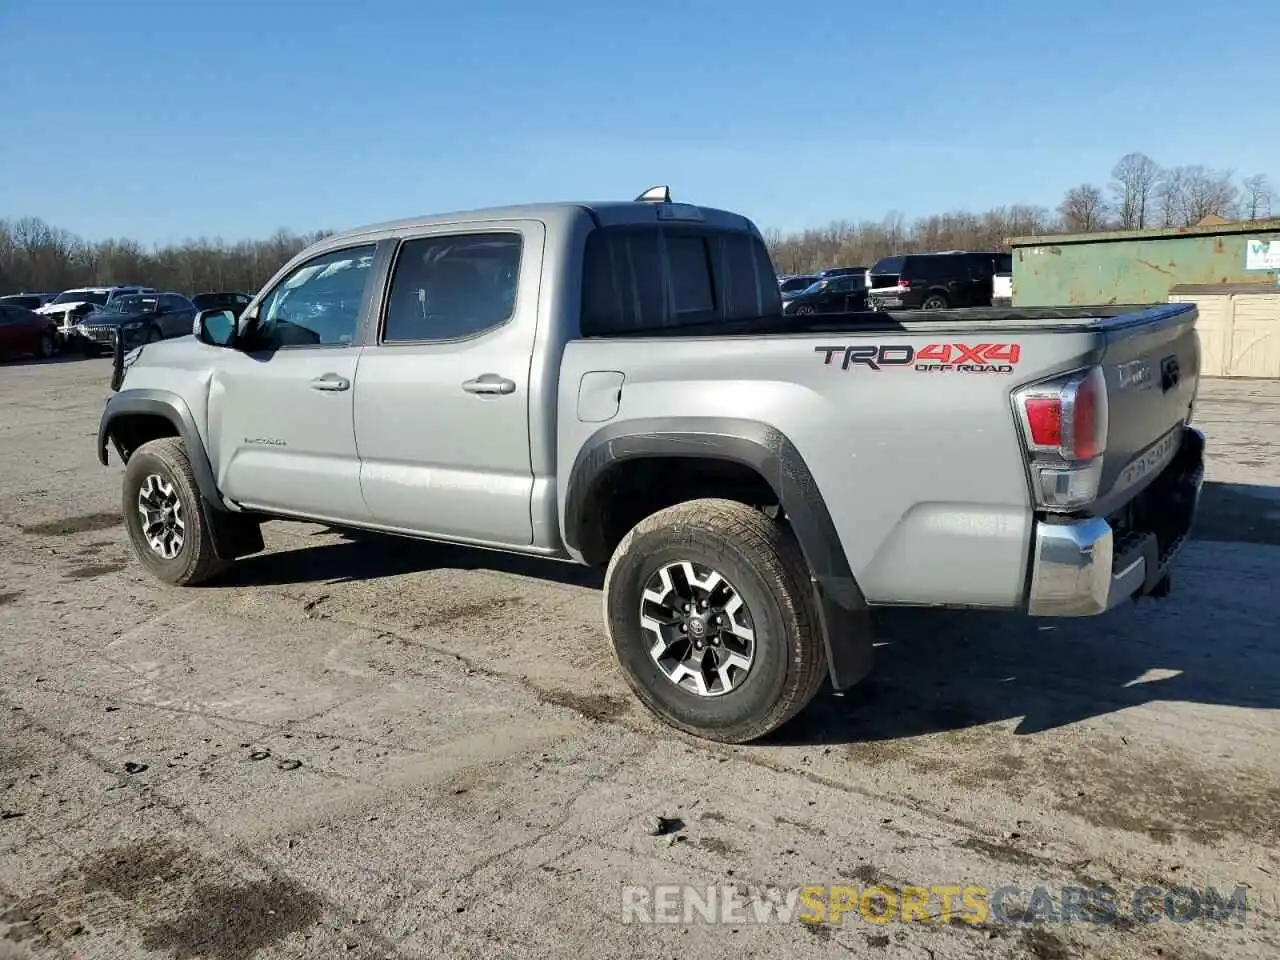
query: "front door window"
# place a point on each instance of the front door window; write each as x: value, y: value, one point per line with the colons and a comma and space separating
x: 317, y: 305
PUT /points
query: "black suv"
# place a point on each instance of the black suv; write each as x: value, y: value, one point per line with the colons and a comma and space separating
x: 934, y: 281
x: 843, y: 293
x: 793, y: 285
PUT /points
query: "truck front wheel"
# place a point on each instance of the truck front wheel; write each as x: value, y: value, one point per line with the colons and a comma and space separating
x: 167, y: 521
x: 711, y: 615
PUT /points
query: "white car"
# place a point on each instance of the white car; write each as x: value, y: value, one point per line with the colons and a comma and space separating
x: 71, y: 306
x: 1002, y: 290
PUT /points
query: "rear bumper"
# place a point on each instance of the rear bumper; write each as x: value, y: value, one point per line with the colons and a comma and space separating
x: 884, y: 301
x: 1082, y: 568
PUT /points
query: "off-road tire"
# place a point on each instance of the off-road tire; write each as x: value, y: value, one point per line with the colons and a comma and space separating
x: 196, y: 561
x: 762, y: 558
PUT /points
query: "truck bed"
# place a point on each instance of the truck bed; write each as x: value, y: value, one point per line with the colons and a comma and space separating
x: 988, y: 319
x: 907, y: 420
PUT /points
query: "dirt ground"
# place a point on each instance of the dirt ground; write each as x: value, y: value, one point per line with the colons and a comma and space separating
x: 380, y: 748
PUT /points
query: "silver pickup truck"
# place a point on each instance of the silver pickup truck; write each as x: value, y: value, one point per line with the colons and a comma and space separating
x: 613, y: 384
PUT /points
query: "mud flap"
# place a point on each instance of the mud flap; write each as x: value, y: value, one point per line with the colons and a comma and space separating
x: 233, y: 536
x: 849, y: 640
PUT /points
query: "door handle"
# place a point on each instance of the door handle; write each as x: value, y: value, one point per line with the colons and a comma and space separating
x: 490, y: 383
x: 330, y: 381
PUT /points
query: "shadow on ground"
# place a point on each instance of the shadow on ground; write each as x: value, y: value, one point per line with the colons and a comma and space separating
x: 1239, y: 513
x: 941, y: 670
x: 33, y: 361
x: 373, y: 556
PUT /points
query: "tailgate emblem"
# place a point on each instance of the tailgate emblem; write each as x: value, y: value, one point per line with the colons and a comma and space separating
x: 1170, y: 373
x: 1135, y: 373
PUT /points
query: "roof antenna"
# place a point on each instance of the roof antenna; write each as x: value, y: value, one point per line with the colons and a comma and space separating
x: 655, y: 195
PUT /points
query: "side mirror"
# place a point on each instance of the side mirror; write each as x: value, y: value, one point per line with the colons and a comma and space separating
x: 217, y: 328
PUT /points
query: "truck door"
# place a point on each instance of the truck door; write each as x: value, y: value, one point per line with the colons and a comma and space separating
x: 281, y: 412
x: 442, y: 401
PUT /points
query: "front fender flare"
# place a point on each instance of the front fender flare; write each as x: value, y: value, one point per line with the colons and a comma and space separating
x: 170, y: 406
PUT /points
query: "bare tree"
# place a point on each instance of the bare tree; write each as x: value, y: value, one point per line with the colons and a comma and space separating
x: 1206, y: 192
x: 1133, y: 184
x: 35, y: 256
x: 1256, y: 197
x: 1084, y: 209
x: 1171, y: 197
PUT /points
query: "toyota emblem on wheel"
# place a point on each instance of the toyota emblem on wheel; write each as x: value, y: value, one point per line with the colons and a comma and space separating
x: 703, y: 637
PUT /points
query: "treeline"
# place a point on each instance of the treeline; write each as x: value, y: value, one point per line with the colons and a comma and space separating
x: 38, y: 257
x: 1140, y: 194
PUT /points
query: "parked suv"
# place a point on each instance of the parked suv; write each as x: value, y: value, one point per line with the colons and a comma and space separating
x: 138, y: 318
x: 790, y: 286
x: 71, y: 306
x: 842, y: 293
x: 27, y: 301
x: 934, y: 281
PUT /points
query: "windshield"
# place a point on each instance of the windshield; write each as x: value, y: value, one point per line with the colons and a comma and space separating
x: 207, y: 301
x: 796, y: 284
x: 81, y: 296
x: 130, y: 304
x: 813, y: 287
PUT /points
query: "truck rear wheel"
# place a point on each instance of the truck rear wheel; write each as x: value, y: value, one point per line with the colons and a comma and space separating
x: 711, y: 615
x: 168, y: 524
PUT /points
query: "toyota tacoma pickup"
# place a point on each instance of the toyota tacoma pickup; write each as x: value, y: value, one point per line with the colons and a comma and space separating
x: 613, y: 384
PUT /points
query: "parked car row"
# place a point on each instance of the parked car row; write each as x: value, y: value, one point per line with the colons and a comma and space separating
x: 88, y: 319
x: 917, y: 281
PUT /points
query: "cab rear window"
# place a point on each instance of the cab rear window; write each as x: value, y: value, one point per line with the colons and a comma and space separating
x: 647, y: 279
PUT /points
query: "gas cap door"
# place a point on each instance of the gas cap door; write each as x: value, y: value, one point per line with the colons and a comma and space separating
x: 599, y: 395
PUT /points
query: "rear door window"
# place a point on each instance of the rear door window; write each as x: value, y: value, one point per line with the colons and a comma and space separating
x: 640, y: 279
x: 922, y: 268
x: 452, y: 287
x: 982, y: 266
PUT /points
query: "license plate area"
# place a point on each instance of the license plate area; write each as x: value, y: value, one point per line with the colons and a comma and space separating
x: 1166, y: 509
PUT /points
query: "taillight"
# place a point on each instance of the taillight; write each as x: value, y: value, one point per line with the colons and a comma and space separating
x: 1064, y: 422
x: 903, y: 284
x: 1044, y: 420
x: 1090, y: 404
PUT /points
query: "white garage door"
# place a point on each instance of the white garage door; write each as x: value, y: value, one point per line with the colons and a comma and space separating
x: 1239, y: 333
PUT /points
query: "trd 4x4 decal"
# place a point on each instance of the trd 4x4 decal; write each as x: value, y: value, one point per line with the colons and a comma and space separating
x: 931, y: 358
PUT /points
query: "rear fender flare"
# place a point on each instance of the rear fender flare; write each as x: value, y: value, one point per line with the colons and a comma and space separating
x: 759, y: 446
x: 844, y: 617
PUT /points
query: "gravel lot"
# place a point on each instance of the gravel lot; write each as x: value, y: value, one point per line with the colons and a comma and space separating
x: 380, y: 748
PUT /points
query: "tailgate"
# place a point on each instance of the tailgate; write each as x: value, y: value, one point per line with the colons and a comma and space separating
x: 879, y: 281
x: 1152, y: 369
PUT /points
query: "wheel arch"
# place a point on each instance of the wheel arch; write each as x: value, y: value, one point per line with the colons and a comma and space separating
x: 134, y: 417
x: 745, y: 452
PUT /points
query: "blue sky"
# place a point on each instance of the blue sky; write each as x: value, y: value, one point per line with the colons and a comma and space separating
x: 163, y: 120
